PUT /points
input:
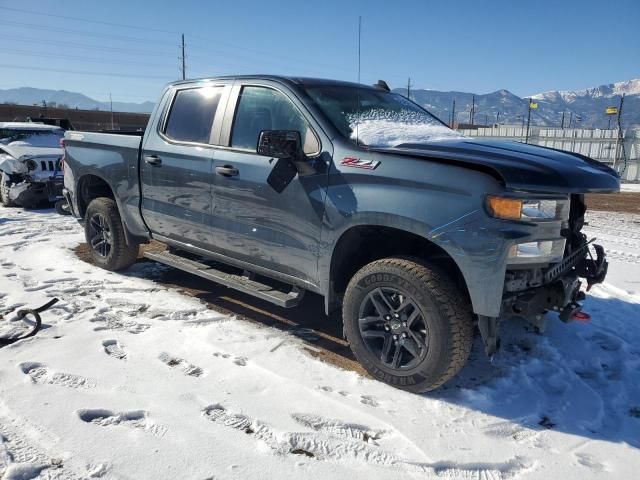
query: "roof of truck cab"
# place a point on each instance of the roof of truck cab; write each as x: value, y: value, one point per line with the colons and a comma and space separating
x: 307, y: 81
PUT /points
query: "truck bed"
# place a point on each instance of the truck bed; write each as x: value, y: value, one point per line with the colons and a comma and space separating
x: 114, y: 159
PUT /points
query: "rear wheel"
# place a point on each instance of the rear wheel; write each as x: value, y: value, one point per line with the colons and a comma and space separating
x: 407, y: 323
x: 105, y: 236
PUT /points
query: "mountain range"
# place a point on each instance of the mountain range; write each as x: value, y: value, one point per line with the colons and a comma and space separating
x: 31, y: 96
x: 584, y: 107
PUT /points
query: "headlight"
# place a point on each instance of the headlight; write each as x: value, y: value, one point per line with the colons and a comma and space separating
x: 532, y: 210
x: 31, y: 165
x: 548, y: 251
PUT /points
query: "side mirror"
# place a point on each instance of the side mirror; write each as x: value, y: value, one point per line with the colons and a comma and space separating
x: 283, y: 144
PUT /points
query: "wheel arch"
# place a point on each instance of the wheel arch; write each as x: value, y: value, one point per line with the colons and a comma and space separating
x: 91, y: 186
x: 362, y: 244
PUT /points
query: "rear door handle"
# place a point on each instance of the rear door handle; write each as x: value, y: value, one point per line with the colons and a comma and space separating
x: 152, y: 159
x: 227, y: 171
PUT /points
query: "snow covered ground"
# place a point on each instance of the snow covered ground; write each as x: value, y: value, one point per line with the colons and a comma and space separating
x: 132, y: 380
x: 630, y: 187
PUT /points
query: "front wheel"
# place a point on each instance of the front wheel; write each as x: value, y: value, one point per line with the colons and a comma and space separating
x: 407, y: 323
x: 4, y: 192
x: 62, y: 207
x: 105, y: 236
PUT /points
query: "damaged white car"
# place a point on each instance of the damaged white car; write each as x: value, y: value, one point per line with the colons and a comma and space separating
x: 30, y: 164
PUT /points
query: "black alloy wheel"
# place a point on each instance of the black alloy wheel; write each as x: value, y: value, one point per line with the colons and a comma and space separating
x: 393, y: 328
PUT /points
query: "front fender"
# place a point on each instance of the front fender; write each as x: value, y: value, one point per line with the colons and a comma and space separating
x: 441, y: 203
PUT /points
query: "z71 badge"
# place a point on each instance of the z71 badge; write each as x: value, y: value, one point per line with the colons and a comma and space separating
x: 359, y: 163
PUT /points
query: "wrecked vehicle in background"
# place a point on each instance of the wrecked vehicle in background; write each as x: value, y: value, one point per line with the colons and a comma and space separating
x: 30, y: 164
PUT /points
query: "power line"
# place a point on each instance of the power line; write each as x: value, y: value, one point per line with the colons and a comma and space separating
x: 88, y: 59
x: 86, y: 46
x: 80, y: 32
x: 80, y: 72
x: 207, y: 48
x: 101, y: 22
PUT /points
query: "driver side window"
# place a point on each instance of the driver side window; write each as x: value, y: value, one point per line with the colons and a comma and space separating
x: 262, y: 108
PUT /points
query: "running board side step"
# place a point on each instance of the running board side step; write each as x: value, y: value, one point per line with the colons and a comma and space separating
x: 242, y: 283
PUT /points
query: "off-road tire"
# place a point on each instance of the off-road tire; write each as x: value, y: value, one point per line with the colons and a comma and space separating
x: 448, y: 318
x: 4, y: 194
x: 120, y: 255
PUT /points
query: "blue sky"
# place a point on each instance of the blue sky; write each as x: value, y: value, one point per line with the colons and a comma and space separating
x: 480, y: 46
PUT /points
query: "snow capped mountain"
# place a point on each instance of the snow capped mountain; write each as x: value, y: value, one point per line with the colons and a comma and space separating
x: 630, y: 87
x: 585, y: 107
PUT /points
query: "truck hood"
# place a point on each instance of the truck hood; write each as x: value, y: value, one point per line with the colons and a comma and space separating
x: 29, y: 151
x: 519, y: 166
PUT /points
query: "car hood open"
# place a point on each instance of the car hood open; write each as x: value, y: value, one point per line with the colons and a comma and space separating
x: 519, y: 166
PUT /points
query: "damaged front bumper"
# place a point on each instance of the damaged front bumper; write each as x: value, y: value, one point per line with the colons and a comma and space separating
x: 29, y: 192
x: 530, y: 293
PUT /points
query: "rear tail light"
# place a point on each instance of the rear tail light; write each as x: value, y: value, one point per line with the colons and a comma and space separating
x: 62, y: 157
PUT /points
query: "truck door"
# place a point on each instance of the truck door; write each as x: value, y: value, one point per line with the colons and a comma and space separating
x: 266, y: 213
x: 176, y: 165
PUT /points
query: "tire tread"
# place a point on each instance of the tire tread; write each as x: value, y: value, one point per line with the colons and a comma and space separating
x: 124, y: 254
x: 450, y: 301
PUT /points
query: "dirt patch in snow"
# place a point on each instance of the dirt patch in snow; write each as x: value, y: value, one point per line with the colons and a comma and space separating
x: 321, y: 336
x: 625, y: 202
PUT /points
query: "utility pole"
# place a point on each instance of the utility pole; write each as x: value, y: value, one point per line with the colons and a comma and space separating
x: 409, y: 88
x: 486, y: 119
x: 111, y: 108
x: 472, y: 113
x: 183, y: 58
x: 570, y: 118
x: 498, y: 118
x: 562, y: 122
x: 44, y: 104
x: 453, y: 114
x: 620, y: 142
x: 526, y: 140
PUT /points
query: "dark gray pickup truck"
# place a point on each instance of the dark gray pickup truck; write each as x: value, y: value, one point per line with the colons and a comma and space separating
x: 277, y: 186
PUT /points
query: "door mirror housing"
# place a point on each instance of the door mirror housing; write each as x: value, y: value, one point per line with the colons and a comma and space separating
x: 285, y: 144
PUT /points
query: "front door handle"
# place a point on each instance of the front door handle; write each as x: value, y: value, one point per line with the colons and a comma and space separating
x: 227, y: 171
x: 152, y: 159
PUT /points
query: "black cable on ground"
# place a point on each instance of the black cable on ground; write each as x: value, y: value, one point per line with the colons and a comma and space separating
x: 35, y: 313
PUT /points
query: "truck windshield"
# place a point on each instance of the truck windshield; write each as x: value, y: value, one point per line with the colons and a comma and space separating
x: 32, y: 138
x: 381, y: 119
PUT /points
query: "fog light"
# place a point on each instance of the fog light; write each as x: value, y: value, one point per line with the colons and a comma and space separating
x: 548, y: 251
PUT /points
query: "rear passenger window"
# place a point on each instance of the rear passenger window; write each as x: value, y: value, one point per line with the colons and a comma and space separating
x: 191, y: 115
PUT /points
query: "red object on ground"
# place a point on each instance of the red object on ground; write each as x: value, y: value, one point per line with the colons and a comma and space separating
x: 581, y: 317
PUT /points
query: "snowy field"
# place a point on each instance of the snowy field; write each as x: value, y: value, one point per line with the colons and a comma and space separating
x: 132, y: 380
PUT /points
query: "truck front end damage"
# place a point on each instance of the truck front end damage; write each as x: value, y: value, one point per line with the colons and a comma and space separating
x: 544, y: 269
